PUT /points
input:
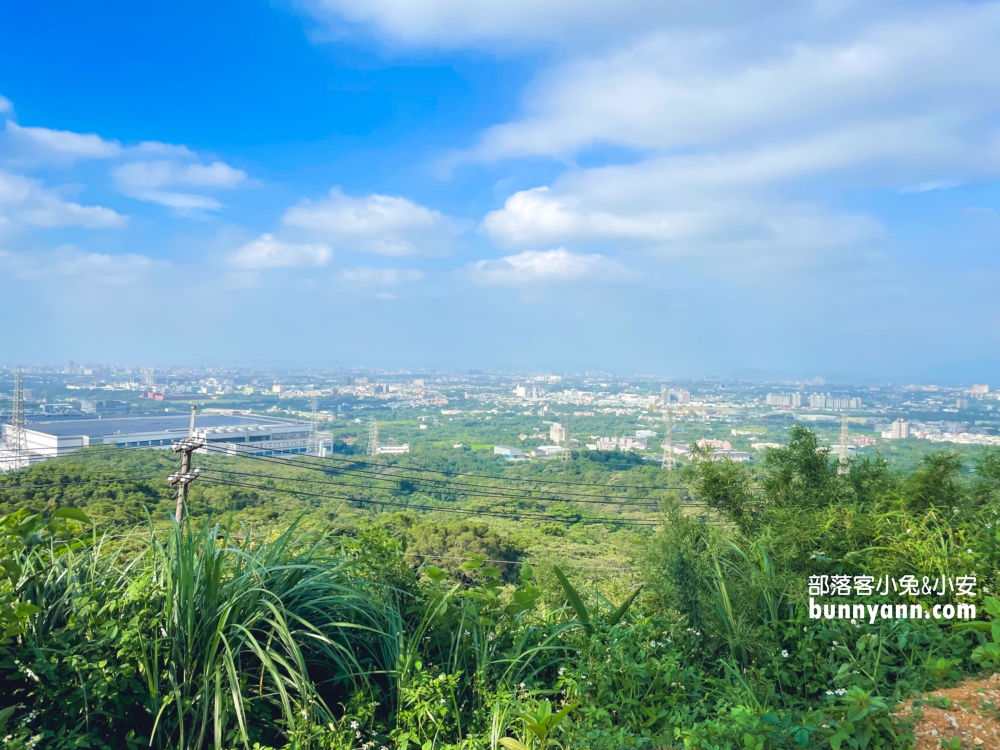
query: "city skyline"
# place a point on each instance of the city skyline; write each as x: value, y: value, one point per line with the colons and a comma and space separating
x: 645, y: 187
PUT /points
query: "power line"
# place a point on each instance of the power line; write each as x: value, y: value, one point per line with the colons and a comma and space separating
x: 484, y: 494
x: 484, y: 491
x: 12, y: 487
x: 502, y: 479
x: 443, y: 485
x: 513, y: 515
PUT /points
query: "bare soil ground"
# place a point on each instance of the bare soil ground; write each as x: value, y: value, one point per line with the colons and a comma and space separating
x: 968, y: 711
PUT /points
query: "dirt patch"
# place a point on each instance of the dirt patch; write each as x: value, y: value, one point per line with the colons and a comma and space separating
x: 968, y: 711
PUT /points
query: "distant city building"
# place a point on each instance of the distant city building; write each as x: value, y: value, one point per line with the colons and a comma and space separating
x: 508, y: 452
x: 961, y: 403
x: 548, y: 451
x: 900, y: 430
x: 826, y: 401
x: 793, y: 400
x: 89, y: 406
x: 394, y: 449
x: 980, y: 388
x: 683, y: 396
x: 645, y: 433
x: 621, y: 444
x: 557, y: 433
x: 717, y: 445
x: 528, y: 391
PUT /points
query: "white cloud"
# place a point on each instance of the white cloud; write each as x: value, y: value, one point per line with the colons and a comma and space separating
x: 115, y: 270
x: 146, y: 180
x: 729, y: 132
x: 726, y: 232
x: 26, y: 201
x: 269, y: 252
x: 379, y: 277
x: 538, y: 216
x: 162, y: 149
x: 5, y: 105
x: 145, y: 175
x: 504, y: 25
x: 536, y: 266
x: 683, y: 88
x: 29, y: 143
x: 72, y: 263
x: 380, y: 224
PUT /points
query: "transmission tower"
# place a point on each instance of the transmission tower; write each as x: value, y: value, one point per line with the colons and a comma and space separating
x: 843, y: 467
x: 668, y: 461
x: 315, y: 442
x: 372, y: 437
x: 16, y: 441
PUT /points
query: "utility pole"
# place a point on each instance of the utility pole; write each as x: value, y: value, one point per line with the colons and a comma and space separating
x: 185, y: 476
x: 843, y: 467
x: 372, y: 437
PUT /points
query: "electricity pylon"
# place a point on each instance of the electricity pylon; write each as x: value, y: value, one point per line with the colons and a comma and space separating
x: 315, y: 439
x: 16, y: 442
x: 372, y: 437
x: 668, y: 461
x: 843, y: 467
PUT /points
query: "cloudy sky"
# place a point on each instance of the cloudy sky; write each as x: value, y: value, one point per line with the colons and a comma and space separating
x: 664, y: 186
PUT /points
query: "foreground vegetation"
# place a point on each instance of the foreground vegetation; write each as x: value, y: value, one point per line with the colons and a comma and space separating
x: 356, y: 630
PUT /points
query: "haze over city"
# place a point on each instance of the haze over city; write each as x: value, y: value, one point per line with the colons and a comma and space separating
x: 795, y: 189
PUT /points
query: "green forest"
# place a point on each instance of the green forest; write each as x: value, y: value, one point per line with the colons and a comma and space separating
x: 461, y: 601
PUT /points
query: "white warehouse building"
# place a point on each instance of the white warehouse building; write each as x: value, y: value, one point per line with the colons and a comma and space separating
x: 238, y: 434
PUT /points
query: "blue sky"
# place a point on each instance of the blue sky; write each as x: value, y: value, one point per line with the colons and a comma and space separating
x: 668, y: 187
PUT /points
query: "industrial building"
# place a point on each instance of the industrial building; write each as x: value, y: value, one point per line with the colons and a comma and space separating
x: 90, y: 406
x: 394, y: 449
x: 236, y: 434
x: 548, y: 451
x: 508, y: 452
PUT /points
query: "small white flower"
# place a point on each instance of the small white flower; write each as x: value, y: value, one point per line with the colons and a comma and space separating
x: 441, y: 677
x: 354, y: 725
x: 784, y: 654
x: 358, y: 735
x: 442, y: 701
